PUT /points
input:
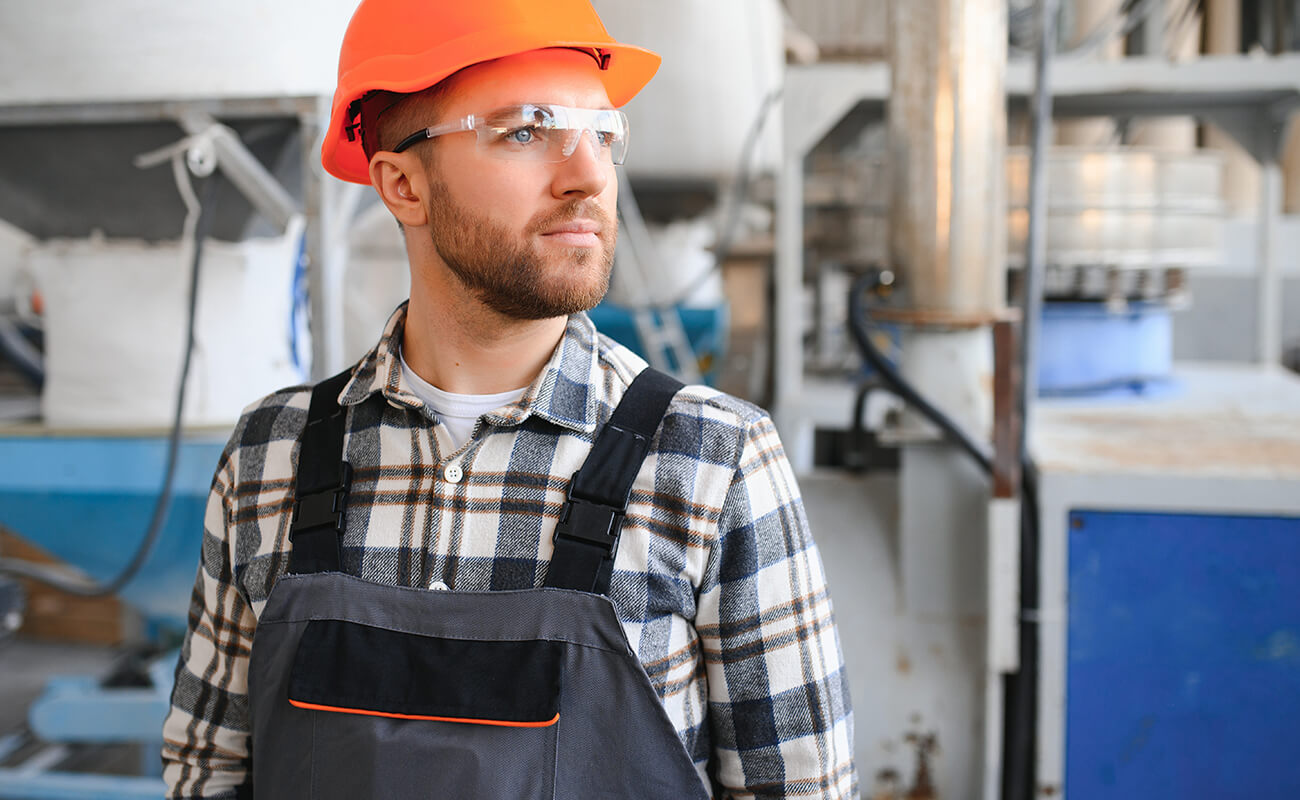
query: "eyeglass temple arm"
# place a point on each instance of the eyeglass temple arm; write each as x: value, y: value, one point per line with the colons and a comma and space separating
x: 462, y: 124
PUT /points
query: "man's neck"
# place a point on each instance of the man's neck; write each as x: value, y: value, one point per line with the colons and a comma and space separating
x: 460, y: 347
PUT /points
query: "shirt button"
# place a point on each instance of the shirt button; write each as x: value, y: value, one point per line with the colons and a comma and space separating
x: 453, y: 473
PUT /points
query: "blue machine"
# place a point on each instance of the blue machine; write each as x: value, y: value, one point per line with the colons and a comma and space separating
x: 88, y: 501
x: 1089, y: 349
x: 706, y: 330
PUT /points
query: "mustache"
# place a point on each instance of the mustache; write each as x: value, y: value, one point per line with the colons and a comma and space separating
x: 574, y: 209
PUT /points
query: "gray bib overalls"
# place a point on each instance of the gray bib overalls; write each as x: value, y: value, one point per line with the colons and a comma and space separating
x: 362, y: 690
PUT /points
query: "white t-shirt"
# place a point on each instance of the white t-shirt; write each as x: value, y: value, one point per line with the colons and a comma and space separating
x: 459, y: 412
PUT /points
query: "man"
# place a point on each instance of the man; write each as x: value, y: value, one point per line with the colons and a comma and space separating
x: 489, y: 130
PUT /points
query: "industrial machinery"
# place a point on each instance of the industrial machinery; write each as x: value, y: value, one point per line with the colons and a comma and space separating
x: 970, y: 596
x: 120, y: 504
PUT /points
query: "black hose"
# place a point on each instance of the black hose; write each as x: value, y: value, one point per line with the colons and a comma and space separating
x: 855, y: 457
x: 56, y: 578
x: 1020, y: 699
x: 21, y: 353
x: 1020, y: 688
x: 859, y: 320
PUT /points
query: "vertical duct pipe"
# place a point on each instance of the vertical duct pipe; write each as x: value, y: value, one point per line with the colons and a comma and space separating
x: 947, y: 245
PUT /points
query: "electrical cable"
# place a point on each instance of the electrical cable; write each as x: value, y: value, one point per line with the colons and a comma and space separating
x: 728, y: 231
x: 197, y: 221
x: 858, y: 325
x: 1020, y: 688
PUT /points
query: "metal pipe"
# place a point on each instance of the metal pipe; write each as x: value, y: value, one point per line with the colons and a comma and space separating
x: 243, y: 169
x: 787, y: 289
x: 1020, y: 739
x: 1031, y: 301
x: 947, y: 145
x: 1268, y: 278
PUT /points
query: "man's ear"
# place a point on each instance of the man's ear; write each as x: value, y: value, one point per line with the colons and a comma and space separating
x: 400, y: 180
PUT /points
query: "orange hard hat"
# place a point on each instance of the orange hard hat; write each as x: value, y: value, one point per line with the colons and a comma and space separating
x: 409, y: 45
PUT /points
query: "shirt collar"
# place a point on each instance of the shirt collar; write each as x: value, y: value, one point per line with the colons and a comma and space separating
x: 563, y: 393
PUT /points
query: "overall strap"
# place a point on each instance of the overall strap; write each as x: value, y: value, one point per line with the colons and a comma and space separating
x: 586, y: 538
x: 321, y: 493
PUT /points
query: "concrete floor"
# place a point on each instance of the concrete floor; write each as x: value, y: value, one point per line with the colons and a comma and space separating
x: 25, y: 667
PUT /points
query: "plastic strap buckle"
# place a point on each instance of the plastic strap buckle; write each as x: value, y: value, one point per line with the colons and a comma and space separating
x: 323, y: 509
x: 590, y: 523
x: 353, y: 129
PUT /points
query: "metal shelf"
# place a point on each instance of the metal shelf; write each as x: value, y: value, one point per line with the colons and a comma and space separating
x: 1250, y: 98
x: 84, y: 151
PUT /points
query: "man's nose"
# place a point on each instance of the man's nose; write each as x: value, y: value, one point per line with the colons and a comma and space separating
x: 586, y: 171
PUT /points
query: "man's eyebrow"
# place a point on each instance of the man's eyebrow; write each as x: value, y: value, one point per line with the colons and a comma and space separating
x: 512, y: 115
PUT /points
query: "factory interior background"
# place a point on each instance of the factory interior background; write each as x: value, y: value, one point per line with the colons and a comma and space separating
x: 1018, y: 281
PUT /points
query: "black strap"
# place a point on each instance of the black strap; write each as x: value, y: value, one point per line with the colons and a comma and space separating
x: 586, y: 538
x: 321, y: 493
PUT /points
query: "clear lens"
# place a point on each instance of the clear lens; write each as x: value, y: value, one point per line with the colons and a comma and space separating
x: 533, y: 132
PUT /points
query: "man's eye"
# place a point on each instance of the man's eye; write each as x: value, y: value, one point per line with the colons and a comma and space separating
x: 606, y: 138
x: 521, y: 136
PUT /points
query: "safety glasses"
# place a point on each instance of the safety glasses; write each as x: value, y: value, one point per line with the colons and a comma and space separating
x: 536, y: 132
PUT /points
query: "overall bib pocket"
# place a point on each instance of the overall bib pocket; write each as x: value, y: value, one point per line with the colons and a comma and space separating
x: 399, y: 714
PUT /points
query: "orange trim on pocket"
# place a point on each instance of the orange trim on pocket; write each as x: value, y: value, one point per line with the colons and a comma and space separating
x: 498, y: 722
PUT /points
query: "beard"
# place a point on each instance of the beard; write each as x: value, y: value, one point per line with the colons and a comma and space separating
x: 512, y: 274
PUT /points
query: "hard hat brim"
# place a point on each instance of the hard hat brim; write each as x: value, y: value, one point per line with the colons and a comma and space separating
x: 629, y: 69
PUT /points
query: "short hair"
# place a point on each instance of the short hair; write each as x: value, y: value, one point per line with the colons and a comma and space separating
x: 388, y: 117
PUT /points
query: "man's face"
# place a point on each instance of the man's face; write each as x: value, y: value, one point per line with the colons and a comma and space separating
x: 530, y: 240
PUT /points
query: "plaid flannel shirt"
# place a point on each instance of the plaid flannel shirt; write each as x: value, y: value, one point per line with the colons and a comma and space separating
x: 717, y: 582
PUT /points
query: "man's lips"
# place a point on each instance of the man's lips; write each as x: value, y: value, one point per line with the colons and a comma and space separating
x: 575, y: 233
